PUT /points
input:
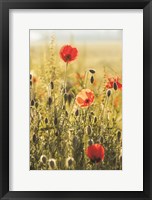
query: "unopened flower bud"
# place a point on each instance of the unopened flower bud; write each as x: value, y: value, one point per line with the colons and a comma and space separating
x: 90, y: 142
x: 49, y: 101
x: 36, y: 104
x: 118, y: 135
x: 65, y: 97
x: 32, y: 102
x: 95, y: 119
x: 89, y: 130
x: 92, y: 79
x: 92, y: 71
x: 69, y: 162
x: 30, y: 76
x: 108, y: 93
x: 46, y: 120
x: 52, y: 163
x: 43, y: 159
x: 115, y: 86
x: 55, y: 121
x: 77, y: 112
x: 52, y: 85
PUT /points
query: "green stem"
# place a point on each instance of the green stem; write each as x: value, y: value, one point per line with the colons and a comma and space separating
x: 65, y: 77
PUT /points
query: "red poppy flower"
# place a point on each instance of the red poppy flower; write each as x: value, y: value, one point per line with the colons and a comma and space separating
x: 95, y: 152
x: 68, y: 53
x: 111, y: 81
x: 85, y: 98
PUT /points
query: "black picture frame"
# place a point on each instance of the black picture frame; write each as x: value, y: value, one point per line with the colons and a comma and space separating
x: 5, y: 5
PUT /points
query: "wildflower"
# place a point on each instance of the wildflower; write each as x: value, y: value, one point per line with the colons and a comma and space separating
x: 52, y: 163
x: 68, y: 53
x: 112, y: 81
x: 85, y: 98
x: 95, y: 152
x: 43, y: 159
x: 69, y: 161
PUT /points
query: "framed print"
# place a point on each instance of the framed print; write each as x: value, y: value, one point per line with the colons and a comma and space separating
x: 75, y: 99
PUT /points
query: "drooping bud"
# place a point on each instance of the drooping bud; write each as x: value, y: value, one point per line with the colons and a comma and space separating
x: 65, y: 97
x: 30, y: 76
x: 34, y: 138
x: 36, y: 104
x: 69, y: 162
x: 95, y: 119
x: 118, y: 135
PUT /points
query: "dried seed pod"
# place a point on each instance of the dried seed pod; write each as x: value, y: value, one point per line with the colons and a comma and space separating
x: 32, y: 102
x: 108, y: 93
x: 90, y: 142
x: 43, y: 159
x: 50, y: 101
x: 92, y: 71
x: 77, y: 112
x: 115, y: 86
x: 92, y: 79
x: 52, y: 85
x: 89, y: 130
x: 55, y: 121
x: 46, y: 120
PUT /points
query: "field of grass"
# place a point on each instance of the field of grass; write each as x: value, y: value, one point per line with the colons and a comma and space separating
x: 76, y: 107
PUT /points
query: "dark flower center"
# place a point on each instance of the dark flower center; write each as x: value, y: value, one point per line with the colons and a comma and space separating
x: 68, y: 57
x: 87, y: 100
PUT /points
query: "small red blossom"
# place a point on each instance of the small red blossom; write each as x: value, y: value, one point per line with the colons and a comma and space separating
x: 85, y: 98
x: 68, y: 53
x: 95, y: 152
x: 111, y: 81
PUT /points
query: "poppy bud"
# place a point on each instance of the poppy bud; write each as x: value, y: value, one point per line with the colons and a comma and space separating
x: 115, y: 86
x: 92, y: 79
x: 63, y: 107
x: 56, y: 133
x: 46, y: 120
x: 52, y: 163
x: 65, y: 97
x: 89, y: 130
x: 95, y: 119
x: 92, y: 113
x: 69, y: 161
x: 32, y: 102
x: 30, y: 76
x: 43, y: 159
x: 49, y: 101
x: 34, y: 138
x: 69, y: 98
x: 92, y: 71
x: 118, y: 135
x: 30, y: 83
x: 66, y: 113
x: 55, y: 121
x: 75, y: 141
x: 52, y: 85
x: 77, y: 112
x: 90, y: 142
x: 108, y: 93
x: 36, y: 104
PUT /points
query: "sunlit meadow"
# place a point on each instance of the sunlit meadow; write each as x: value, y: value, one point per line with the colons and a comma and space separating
x: 76, y: 100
